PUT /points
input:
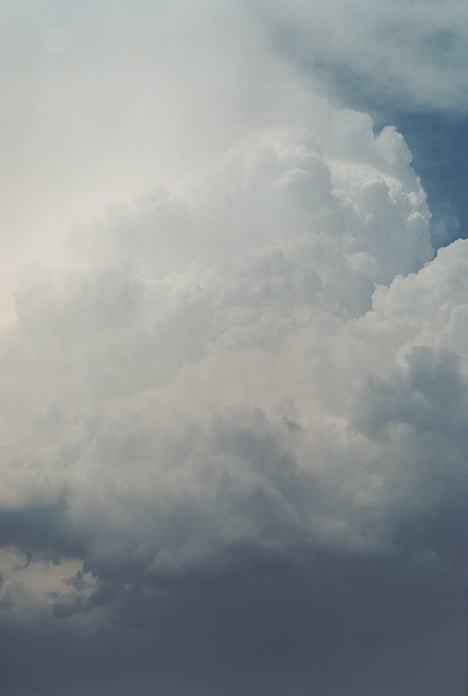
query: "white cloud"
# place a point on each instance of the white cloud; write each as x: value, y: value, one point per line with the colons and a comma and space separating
x: 194, y: 393
x: 102, y: 105
x: 32, y: 586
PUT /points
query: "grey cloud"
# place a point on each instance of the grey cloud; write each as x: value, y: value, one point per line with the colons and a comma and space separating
x: 342, y: 627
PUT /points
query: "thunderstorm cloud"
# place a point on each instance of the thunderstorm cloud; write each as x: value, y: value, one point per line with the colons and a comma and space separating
x: 233, y: 358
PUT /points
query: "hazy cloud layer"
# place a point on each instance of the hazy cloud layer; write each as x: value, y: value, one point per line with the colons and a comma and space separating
x: 233, y: 407
x: 412, y: 52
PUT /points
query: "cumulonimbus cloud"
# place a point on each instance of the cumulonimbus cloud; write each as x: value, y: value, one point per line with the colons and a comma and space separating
x: 236, y: 367
x: 264, y: 356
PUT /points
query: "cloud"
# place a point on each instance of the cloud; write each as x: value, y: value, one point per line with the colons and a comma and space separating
x: 232, y: 409
x: 31, y: 586
x: 185, y: 411
x: 140, y: 98
x: 410, y: 53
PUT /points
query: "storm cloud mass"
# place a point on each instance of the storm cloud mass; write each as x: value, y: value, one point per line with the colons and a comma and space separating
x: 233, y: 358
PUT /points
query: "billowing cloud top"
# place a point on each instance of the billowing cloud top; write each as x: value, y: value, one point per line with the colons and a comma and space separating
x: 241, y: 394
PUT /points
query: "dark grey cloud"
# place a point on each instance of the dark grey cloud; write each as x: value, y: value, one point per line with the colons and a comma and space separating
x: 264, y: 624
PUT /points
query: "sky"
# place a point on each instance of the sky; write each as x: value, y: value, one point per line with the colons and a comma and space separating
x: 234, y: 368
